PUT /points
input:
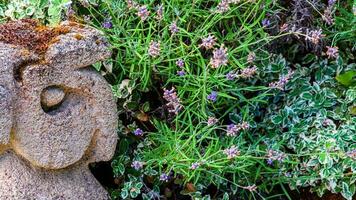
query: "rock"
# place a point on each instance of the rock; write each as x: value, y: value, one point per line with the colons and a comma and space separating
x: 57, y: 115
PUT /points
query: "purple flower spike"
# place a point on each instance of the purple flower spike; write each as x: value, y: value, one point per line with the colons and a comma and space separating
x: 232, y: 130
x: 143, y: 13
x: 180, y: 63
x: 195, y: 165
x: 213, y: 96
x: 138, y: 132
x: 232, y: 152
x: 219, y: 57
x: 107, y: 24
x: 266, y: 22
x: 154, y: 49
x: 181, y: 73
x: 208, y: 42
x: 137, y: 165
x: 164, y: 177
x: 231, y: 75
x: 173, y: 28
x: 332, y: 52
x: 212, y: 121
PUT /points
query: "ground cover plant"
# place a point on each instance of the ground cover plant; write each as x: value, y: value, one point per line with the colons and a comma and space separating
x: 224, y: 99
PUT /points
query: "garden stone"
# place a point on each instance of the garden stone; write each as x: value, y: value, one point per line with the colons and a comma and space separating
x: 57, y: 114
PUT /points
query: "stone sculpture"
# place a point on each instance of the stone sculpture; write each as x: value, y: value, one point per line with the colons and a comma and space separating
x: 57, y: 114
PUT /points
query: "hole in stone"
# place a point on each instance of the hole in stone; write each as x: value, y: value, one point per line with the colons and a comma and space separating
x: 20, y: 68
x: 52, y: 98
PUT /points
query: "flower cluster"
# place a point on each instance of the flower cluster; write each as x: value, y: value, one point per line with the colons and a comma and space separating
x: 180, y: 64
x: 173, y: 28
x: 143, y: 12
x: 332, y: 52
x: 154, y: 49
x: 212, y: 96
x: 233, y: 129
x: 248, y: 72
x: 164, y: 177
x: 195, y: 165
x: 314, y: 36
x: 159, y: 12
x: 283, y: 80
x: 275, y: 155
x: 251, y: 57
x: 138, y: 132
x: 137, y: 165
x: 107, y: 24
x: 208, y: 42
x: 131, y: 4
x: 212, y: 121
x: 224, y: 5
x: 231, y: 152
x: 219, y: 57
x: 174, y: 105
x: 351, y: 154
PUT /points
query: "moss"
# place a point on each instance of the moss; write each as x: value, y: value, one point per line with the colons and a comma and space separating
x: 30, y: 34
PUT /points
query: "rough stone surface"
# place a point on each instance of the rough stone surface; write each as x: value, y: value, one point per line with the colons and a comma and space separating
x: 57, y: 115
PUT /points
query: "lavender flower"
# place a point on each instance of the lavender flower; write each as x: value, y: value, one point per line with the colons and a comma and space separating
x: 137, y: 165
x: 327, y: 16
x: 107, y: 24
x: 174, y: 105
x: 283, y: 80
x: 266, y: 22
x: 208, y: 42
x: 212, y: 121
x: 331, y: 2
x: 85, y: 3
x: 195, y: 165
x: 131, y: 4
x: 332, y: 52
x: 143, y: 13
x: 314, y: 36
x: 219, y: 57
x: 138, y: 132
x: 251, y: 57
x: 70, y: 12
x: 164, y: 177
x: 248, y: 72
x: 154, y: 49
x: 181, y: 73
x: 231, y: 75
x: 232, y: 152
x: 180, y: 63
x: 213, y: 96
x: 244, y: 125
x: 275, y: 155
x: 174, y: 28
x: 159, y: 12
x: 327, y: 122
x: 351, y: 154
x: 223, y: 6
x: 232, y: 130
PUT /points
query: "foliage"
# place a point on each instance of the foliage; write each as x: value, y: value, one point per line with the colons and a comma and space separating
x: 268, y: 109
x: 49, y: 10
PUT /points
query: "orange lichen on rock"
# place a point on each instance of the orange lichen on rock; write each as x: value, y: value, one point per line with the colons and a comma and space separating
x: 30, y: 34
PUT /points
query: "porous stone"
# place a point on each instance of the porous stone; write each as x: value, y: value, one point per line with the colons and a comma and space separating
x: 57, y: 115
